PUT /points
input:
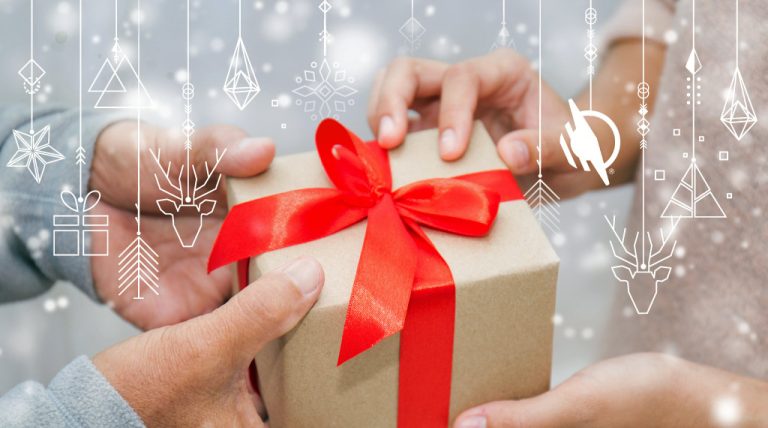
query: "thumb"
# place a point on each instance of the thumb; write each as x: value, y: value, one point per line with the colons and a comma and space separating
x: 566, y: 405
x: 265, y: 310
x: 245, y: 156
x: 519, y: 151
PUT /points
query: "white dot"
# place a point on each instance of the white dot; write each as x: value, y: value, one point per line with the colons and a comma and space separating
x: 743, y: 327
x: 718, y: 237
x: 558, y: 239
x: 266, y: 67
x: 569, y: 332
x: 180, y: 75
x: 670, y: 36
x: 680, y: 252
x: 429, y: 10
x: 62, y: 302
x: 217, y: 44
x: 258, y: 5
x: 557, y: 319
x: 521, y: 28
x: 63, y: 7
x: 281, y: 7
x: 679, y: 271
x: 627, y: 311
x: 345, y: 11
x: 587, y: 333
x: 49, y: 305
x: 726, y: 411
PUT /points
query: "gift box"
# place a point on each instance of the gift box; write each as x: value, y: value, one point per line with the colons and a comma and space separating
x: 492, y: 340
x: 75, y: 234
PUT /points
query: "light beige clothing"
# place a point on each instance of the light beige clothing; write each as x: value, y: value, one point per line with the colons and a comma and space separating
x: 714, y: 307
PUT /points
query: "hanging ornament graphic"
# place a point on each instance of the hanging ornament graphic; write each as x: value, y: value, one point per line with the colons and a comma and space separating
x: 412, y: 31
x: 138, y: 262
x: 117, y: 83
x: 188, y: 192
x: 693, y: 198
x: 738, y: 113
x: 325, y: 89
x: 583, y: 141
x: 80, y: 233
x: 642, y: 269
x: 33, y: 149
x: 541, y: 198
x: 503, y: 37
x: 241, y: 85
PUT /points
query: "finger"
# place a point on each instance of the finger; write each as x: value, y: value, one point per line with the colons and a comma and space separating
x: 519, y: 151
x: 263, y: 311
x: 405, y: 80
x: 245, y: 156
x: 564, y: 406
x: 373, y: 101
x: 465, y: 84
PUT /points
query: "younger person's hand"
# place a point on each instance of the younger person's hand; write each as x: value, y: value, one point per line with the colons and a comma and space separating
x: 195, y: 374
x: 502, y: 90
x: 186, y: 288
x: 640, y: 390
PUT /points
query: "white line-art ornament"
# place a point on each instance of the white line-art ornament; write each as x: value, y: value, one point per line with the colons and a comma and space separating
x: 80, y: 233
x: 583, y: 141
x: 642, y: 269
x: 413, y: 31
x: 693, y: 198
x: 738, y: 113
x: 80, y: 228
x: 540, y: 197
x: 34, y: 151
x: 117, y: 83
x: 138, y: 262
x: 33, y: 148
x: 188, y: 193
x: 325, y: 88
x: 188, y: 197
x: 503, y: 37
x: 241, y: 84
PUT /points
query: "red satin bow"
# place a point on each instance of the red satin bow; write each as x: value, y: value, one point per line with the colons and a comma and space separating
x: 402, y: 283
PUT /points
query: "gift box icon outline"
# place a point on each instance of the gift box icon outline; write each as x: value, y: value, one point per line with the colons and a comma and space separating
x: 80, y: 228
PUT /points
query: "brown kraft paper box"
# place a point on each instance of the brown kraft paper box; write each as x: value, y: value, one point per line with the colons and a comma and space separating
x: 505, y: 300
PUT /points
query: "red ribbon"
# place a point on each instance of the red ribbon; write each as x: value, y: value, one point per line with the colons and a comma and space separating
x: 402, y: 283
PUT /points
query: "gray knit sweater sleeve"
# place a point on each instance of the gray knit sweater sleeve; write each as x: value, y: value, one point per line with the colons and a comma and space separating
x: 79, y: 396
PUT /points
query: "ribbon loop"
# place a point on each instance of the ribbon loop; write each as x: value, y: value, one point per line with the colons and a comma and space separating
x: 402, y: 284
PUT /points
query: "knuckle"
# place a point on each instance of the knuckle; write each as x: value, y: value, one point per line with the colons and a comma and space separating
x: 460, y: 71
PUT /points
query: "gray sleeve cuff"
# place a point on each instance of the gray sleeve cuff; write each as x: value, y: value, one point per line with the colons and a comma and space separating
x: 28, y: 208
x: 79, y: 396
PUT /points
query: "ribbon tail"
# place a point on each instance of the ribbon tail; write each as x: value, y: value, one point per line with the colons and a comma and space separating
x: 499, y: 180
x: 426, y: 342
x: 383, y: 283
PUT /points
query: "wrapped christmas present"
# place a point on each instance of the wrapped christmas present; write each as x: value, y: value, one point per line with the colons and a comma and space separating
x: 439, y: 283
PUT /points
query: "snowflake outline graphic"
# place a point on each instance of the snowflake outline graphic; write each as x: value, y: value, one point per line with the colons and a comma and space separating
x: 325, y: 91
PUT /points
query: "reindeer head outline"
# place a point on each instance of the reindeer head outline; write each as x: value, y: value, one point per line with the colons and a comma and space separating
x: 187, y: 200
x: 642, y: 270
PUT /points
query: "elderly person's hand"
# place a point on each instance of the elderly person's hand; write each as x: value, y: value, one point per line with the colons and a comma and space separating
x: 187, y: 289
x: 640, y: 390
x: 194, y: 374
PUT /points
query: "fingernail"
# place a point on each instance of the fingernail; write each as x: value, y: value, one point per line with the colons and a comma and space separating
x: 515, y: 154
x: 473, y: 422
x: 248, y: 145
x: 305, y: 273
x: 386, y: 128
x: 448, y: 143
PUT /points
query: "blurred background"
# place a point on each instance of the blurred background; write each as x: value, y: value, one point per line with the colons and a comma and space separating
x: 38, y: 337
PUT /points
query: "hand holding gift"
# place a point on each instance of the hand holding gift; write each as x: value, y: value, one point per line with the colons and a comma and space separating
x: 187, y: 290
x: 195, y: 373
